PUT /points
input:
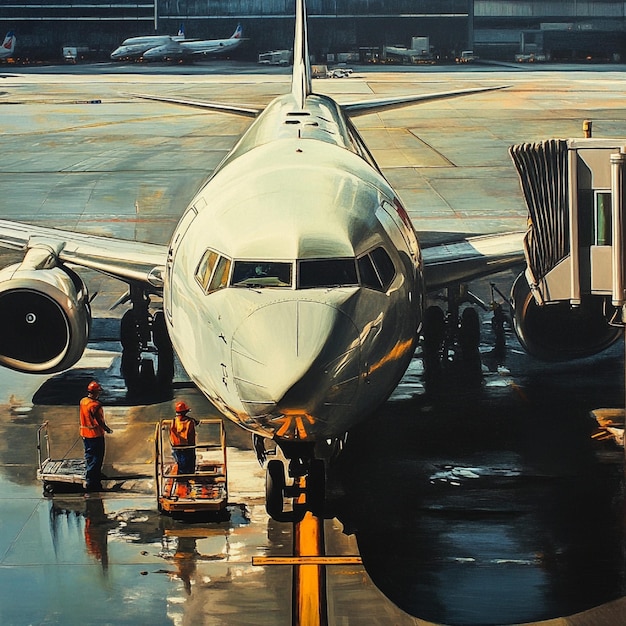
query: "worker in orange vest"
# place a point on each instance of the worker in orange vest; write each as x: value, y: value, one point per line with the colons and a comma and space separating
x: 92, y: 429
x: 182, y: 435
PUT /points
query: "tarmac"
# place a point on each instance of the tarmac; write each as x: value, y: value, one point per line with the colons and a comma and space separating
x: 469, y: 502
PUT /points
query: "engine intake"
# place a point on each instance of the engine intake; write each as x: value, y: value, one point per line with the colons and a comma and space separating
x: 44, y: 319
x: 560, y: 332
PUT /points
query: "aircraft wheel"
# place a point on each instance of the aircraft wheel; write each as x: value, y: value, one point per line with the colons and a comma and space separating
x: 470, y: 328
x: 130, y: 369
x: 316, y: 488
x: 129, y: 335
x: 163, y: 344
x: 274, y: 489
x: 469, y: 342
x: 434, y: 329
x: 146, y: 373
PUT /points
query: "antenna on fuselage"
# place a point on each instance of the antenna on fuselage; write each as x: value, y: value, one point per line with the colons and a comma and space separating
x: 301, y: 78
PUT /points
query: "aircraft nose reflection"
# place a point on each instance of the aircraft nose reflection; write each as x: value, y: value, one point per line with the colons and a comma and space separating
x: 298, y: 353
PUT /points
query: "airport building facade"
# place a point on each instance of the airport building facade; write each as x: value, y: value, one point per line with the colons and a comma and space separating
x: 565, y: 29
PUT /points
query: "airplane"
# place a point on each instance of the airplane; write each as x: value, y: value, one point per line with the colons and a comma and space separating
x: 190, y: 48
x: 160, y: 47
x: 134, y: 47
x: 293, y: 287
x: 8, y: 46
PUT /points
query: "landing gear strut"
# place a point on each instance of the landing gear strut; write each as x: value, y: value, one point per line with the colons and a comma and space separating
x: 143, y: 335
x: 452, y: 337
x: 307, y: 489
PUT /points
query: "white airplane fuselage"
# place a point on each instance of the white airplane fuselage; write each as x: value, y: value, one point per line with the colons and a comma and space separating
x: 134, y: 47
x: 184, y: 49
x: 305, y: 357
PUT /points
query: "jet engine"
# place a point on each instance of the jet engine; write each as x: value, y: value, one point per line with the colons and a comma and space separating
x: 559, y: 331
x: 44, y: 318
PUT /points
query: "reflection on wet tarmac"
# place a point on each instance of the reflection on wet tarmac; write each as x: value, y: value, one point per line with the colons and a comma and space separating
x: 489, y: 504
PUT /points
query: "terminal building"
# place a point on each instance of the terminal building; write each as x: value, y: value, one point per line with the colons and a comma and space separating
x: 361, y: 29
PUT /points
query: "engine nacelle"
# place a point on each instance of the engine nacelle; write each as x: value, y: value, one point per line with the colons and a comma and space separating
x: 558, y: 331
x: 44, y: 318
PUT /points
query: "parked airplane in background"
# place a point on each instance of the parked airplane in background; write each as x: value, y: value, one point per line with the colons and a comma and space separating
x: 293, y: 287
x: 166, y: 47
x: 134, y: 47
x: 8, y: 46
x: 191, y: 48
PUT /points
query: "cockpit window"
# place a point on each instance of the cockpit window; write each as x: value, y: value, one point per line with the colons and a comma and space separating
x: 220, y: 276
x: 384, y: 266
x: 205, y: 268
x: 212, y: 271
x: 376, y: 269
x: 327, y: 273
x: 262, y: 274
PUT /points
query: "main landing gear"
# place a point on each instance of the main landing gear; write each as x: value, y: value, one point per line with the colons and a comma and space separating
x: 306, y: 487
x: 145, y: 342
x: 453, y: 338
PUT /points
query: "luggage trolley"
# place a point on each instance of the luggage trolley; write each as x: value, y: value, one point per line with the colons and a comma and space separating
x: 206, y: 489
x: 57, y: 473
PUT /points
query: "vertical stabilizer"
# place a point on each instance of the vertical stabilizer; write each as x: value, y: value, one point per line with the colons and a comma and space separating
x: 301, y: 78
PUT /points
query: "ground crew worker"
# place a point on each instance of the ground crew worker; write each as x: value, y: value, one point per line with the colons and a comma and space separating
x: 92, y: 429
x: 183, y: 434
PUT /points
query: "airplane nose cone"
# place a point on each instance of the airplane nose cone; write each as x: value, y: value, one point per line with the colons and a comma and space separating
x: 299, y: 357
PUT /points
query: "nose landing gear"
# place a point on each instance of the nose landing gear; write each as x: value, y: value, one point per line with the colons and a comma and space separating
x: 307, y: 491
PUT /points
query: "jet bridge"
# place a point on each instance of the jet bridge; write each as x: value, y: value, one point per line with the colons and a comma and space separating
x: 571, y: 302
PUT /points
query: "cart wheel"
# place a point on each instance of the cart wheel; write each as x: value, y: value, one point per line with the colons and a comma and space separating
x: 48, y: 489
x: 274, y: 489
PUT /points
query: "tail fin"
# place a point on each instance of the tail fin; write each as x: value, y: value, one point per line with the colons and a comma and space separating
x: 9, y: 42
x: 238, y: 32
x: 301, y: 78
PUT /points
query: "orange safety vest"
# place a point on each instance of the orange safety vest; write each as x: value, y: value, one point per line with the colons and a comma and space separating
x: 91, y: 417
x: 183, y: 432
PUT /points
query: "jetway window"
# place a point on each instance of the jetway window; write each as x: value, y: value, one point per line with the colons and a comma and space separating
x: 262, y: 274
x: 603, y: 220
x: 327, y: 273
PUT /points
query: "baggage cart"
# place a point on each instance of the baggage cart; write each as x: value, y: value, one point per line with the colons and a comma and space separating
x: 58, y: 474
x: 206, y: 490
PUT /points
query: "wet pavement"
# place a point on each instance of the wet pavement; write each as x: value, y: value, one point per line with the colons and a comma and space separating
x: 471, y: 499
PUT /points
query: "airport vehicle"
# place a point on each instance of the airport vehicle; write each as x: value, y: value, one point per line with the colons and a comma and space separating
x: 57, y: 473
x: 339, y: 72
x: 72, y: 54
x: 276, y: 57
x: 419, y: 52
x: 8, y: 45
x: 467, y: 56
x: 293, y: 287
x: 206, y: 490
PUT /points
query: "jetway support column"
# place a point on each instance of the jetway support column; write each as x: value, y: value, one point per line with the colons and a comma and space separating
x: 618, y: 191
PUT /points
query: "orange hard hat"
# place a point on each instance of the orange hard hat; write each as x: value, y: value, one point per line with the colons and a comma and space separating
x: 181, y: 407
x: 94, y: 386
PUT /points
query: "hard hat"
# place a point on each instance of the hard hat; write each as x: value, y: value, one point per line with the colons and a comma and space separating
x: 94, y: 386
x: 181, y: 407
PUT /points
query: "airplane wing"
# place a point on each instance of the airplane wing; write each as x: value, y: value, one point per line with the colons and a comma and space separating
x: 211, y: 106
x: 129, y: 261
x: 448, y: 264
x: 365, y: 107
